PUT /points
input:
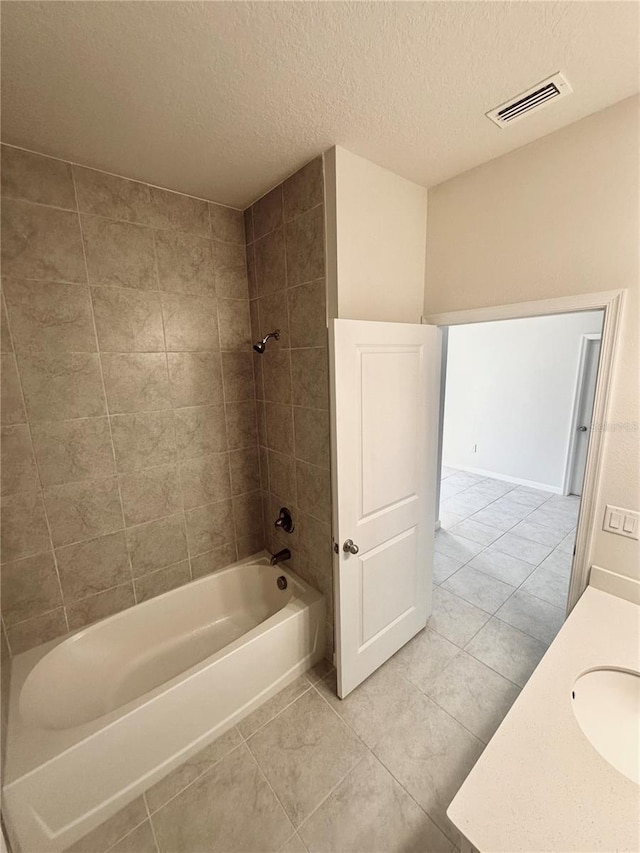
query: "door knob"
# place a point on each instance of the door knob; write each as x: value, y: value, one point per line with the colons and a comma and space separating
x: 582, y: 429
x: 350, y: 547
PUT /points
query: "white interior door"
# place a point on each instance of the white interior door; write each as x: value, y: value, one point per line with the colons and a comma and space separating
x: 585, y: 397
x: 385, y: 398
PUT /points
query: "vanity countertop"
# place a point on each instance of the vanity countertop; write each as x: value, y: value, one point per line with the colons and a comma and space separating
x: 540, y: 785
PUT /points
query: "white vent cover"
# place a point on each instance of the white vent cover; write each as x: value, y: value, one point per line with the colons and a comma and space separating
x: 535, y: 98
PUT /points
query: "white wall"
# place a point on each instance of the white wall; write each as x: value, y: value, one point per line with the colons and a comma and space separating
x: 510, y: 390
x: 376, y: 241
x: 555, y: 218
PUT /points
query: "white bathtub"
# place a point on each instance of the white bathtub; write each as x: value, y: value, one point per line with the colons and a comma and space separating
x: 99, y: 717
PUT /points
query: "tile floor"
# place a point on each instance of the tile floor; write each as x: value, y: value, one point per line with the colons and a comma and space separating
x: 375, y: 772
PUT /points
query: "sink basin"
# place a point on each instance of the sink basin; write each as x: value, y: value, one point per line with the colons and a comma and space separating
x: 606, y: 704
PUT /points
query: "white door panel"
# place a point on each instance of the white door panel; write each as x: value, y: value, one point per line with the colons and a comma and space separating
x: 385, y: 400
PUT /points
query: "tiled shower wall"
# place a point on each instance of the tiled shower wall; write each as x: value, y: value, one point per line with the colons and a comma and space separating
x: 286, y: 263
x: 129, y: 449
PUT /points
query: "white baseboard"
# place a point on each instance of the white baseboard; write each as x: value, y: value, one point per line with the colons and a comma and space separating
x: 615, y: 584
x: 518, y: 481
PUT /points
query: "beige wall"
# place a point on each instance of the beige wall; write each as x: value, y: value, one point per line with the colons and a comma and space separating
x: 286, y: 261
x: 376, y: 224
x: 557, y: 217
x: 129, y: 437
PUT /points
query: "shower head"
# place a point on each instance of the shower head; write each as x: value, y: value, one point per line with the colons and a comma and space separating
x: 262, y: 345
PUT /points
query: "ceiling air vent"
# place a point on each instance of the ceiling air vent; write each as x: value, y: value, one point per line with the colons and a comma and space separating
x: 534, y: 98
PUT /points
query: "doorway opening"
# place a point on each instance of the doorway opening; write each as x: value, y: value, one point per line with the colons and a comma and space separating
x: 518, y: 401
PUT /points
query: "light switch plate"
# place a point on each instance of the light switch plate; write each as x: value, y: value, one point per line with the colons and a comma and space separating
x: 624, y: 522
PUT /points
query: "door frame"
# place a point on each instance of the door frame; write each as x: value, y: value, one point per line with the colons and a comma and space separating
x: 577, y: 401
x: 611, y: 303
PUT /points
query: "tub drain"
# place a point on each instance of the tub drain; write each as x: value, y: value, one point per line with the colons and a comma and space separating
x: 282, y: 582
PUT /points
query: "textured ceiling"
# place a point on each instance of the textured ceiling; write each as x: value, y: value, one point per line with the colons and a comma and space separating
x: 224, y: 99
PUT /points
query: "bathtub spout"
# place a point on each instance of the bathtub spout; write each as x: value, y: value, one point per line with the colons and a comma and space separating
x: 280, y: 557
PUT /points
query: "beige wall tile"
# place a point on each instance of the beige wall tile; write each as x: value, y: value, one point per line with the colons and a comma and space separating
x: 308, y: 314
x: 279, y: 427
x: 252, y: 280
x: 267, y: 212
x: 200, y: 430
x: 179, y: 212
x: 242, y: 428
x: 33, y: 632
x: 149, y: 494
x: 258, y: 374
x: 313, y: 489
x: 282, y: 476
x: 190, y: 322
x: 112, y: 830
x: 205, y: 480
x: 127, y: 320
x: 311, y: 428
x: 247, y: 513
x: 248, y: 225
x: 135, y: 382
x: 304, y: 189
x: 237, y: 371
x: 271, y: 271
x: 254, y: 317
x: 185, y: 263
x: 209, y: 526
x: 41, y: 242
x: 161, y: 581
x: 35, y: 178
x: 213, y: 560
x: 305, y: 247
x: 245, y: 470
x: 84, y: 510
x: 227, y: 224
x: 157, y: 544
x: 11, y: 406
x: 99, y: 606
x: 231, y: 270
x: 29, y: 588
x: 73, y: 450
x: 91, y: 567
x: 6, y: 345
x: 234, y: 325
x: 18, y: 466
x: 47, y: 316
x: 119, y: 254
x: 196, y: 378
x: 139, y: 840
x: 108, y: 195
x: 273, y: 314
x: 252, y: 544
x: 276, y: 371
x: 24, y: 529
x: 58, y: 386
x: 144, y: 440
x: 310, y: 378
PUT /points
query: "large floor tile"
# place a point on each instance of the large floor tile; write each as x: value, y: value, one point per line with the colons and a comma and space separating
x: 554, y: 520
x: 304, y: 752
x: 493, y: 489
x: 449, y: 490
x: 507, y: 650
x: 500, y: 518
x: 370, y: 812
x: 530, y: 614
x: 449, y: 519
x: 559, y: 561
x: 375, y: 704
x: 467, y: 502
x: 502, y: 566
x: 528, y: 529
x: 444, y: 567
x: 447, y: 472
x: 477, y: 696
x: 482, y: 590
x: 523, y: 549
x: 568, y: 543
x: 465, y: 479
x: 430, y: 754
x: 422, y: 659
x: 454, y: 618
x: 231, y: 808
x: 458, y: 547
x: 273, y: 706
x: 477, y: 532
x: 548, y: 585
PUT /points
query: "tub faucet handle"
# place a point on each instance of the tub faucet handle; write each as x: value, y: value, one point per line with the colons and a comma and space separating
x: 284, y: 521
